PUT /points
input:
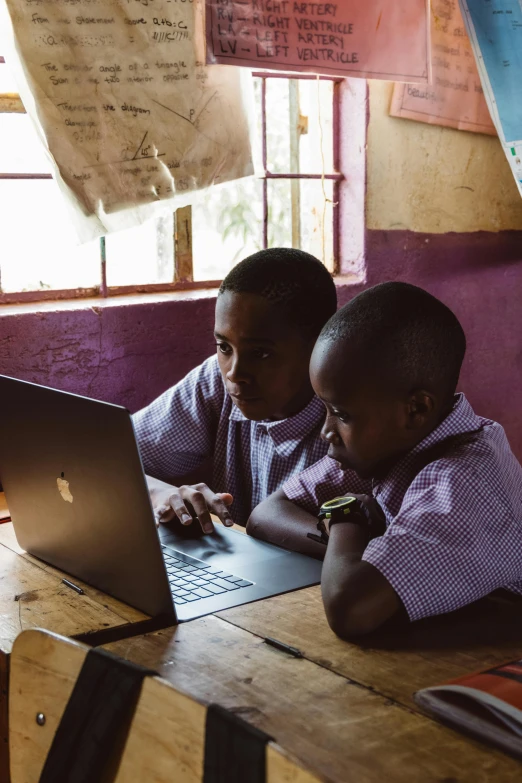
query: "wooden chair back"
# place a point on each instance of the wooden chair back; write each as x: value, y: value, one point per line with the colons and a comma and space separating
x: 166, y: 740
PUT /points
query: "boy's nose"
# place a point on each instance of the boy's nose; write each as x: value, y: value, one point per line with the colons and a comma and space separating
x: 236, y: 373
x: 330, y: 436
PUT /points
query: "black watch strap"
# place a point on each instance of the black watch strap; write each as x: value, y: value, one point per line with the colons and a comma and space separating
x: 342, y: 509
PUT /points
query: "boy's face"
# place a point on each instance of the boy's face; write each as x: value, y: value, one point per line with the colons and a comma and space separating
x: 367, y: 425
x: 263, y: 359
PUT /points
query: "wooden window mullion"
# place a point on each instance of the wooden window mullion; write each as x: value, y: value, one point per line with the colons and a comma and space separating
x: 183, y: 258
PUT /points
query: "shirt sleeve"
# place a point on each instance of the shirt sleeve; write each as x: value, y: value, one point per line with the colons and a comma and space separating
x: 453, y: 541
x: 321, y: 482
x: 176, y: 432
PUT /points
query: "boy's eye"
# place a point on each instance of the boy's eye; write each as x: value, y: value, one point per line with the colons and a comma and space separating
x: 344, y: 417
x: 224, y: 348
x: 260, y: 353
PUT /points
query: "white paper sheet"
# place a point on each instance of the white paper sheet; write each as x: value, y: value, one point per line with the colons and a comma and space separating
x: 130, y: 114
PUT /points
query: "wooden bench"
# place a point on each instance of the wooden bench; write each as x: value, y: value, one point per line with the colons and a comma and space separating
x: 166, y: 738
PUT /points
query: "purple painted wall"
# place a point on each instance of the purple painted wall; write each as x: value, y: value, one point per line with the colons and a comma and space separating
x: 122, y: 353
x: 479, y: 276
x: 128, y: 354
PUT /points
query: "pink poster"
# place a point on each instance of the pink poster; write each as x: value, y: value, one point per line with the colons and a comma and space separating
x: 454, y: 98
x: 375, y: 39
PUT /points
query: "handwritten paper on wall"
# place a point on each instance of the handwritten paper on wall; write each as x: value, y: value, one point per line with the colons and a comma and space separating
x: 454, y: 98
x: 377, y: 39
x: 495, y: 31
x: 129, y: 112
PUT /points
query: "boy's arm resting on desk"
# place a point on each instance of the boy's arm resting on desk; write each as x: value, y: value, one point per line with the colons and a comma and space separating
x: 453, y: 541
x: 290, y: 514
x: 357, y: 597
x: 280, y: 521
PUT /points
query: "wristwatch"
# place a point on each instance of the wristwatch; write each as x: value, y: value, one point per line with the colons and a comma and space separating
x: 341, y: 509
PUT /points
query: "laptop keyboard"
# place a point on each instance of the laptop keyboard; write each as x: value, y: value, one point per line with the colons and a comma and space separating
x: 190, y: 581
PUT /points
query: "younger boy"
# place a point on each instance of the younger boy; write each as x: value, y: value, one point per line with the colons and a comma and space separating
x: 444, y: 479
x: 249, y: 409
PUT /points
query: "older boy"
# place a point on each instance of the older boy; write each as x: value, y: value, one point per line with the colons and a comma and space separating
x: 445, y: 480
x: 250, y: 409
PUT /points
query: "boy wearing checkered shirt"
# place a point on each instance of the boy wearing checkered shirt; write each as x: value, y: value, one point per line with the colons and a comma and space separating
x: 249, y: 409
x: 439, y: 489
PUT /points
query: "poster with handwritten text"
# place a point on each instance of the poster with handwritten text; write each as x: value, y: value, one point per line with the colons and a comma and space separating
x: 126, y: 106
x: 377, y: 39
x: 455, y: 98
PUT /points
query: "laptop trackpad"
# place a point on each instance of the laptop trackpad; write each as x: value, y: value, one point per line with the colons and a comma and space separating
x: 222, y: 548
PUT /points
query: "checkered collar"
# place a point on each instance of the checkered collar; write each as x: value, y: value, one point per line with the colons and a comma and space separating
x: 461, y: 419
x: 287, y: 434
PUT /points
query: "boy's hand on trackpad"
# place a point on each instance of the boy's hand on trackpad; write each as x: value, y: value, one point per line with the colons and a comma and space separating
x: 189, y: 502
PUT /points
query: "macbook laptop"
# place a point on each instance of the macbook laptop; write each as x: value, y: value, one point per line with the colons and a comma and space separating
x: 78, y: 498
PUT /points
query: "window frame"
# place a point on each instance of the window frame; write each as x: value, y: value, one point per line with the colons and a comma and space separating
x: 337, y: 176
x: 182, y: 218
x: 10, y: 102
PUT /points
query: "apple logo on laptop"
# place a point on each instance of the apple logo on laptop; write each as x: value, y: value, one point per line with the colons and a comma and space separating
x: 63, y: 488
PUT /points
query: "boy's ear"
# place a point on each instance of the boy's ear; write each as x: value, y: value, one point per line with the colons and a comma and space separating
x: 421, y: 405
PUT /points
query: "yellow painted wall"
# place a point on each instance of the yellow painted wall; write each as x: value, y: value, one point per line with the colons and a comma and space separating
x: 433, y: 179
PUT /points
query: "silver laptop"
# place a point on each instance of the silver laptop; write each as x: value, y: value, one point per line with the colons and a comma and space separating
x: 78, y: 498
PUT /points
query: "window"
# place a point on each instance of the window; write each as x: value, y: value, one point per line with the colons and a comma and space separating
x: 295, y: 201
x: 292, y: 203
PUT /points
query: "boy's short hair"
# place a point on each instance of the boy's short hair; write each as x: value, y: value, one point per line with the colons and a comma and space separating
x: 291, y: 280
x: 408, y: 335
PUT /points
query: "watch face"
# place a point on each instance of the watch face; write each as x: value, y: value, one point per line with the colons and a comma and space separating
x: 338, y: 507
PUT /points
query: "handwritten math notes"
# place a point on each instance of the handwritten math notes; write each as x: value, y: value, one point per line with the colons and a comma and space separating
x: 455, y: 97
x: 378, y: 39
x: 129, y: 111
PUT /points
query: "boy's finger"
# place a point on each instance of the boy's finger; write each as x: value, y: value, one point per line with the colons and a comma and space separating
x: 199, y: 504
x: 227, y: 499
x: 180, y: 509
x: 219, y: 506
x: 163, y: 514
x: 218, y: 502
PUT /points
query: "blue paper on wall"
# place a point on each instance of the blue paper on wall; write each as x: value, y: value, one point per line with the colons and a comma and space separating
x: 495, y: 31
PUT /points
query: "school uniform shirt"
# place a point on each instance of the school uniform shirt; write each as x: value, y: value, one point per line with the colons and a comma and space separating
x: 197, y: 420
x: 453, y: 523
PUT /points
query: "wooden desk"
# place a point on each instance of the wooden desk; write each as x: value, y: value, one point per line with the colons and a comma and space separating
x: 394, y: 664
x: 345, y: 711
x: 32, y: 595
